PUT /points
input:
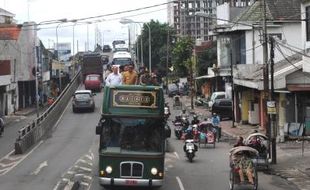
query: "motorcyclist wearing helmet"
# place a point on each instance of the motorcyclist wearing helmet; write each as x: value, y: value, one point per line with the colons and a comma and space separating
x: 184, y: 114
x: 195, y: 120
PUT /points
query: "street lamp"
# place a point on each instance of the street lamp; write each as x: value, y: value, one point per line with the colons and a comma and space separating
x: 73, y: 45
x: 61, y: 21
x: 128, y: 21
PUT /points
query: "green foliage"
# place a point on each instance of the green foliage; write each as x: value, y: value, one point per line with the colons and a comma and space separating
x: 159, y: 34
x: 181, y: 56
x: 206, y: 59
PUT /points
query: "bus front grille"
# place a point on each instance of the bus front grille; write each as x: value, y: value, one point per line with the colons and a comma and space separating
x: 131, y: 169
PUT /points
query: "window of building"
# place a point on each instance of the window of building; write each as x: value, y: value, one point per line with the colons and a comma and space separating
x: 308, y: 23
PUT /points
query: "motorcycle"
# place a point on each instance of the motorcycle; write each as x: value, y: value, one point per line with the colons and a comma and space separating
x: 166, y: 113
x: 190, y: 148
x: 178, y: 127
x: 178, y: 130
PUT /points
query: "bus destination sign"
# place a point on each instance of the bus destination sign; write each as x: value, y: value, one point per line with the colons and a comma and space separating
x: 141, y: 99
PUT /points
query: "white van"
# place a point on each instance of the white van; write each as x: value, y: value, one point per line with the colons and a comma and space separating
x: 215, y: 96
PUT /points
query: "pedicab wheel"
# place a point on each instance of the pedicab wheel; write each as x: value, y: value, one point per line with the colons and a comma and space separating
x: 214, y: 144
x: 231, y: 179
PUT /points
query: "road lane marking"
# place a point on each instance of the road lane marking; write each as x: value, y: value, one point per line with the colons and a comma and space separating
x: 177, y: 155
x: 22, y: 159
x: 41, y: 166
x: 89, y: 157
x: 180, y: 183
x: 85, y: 162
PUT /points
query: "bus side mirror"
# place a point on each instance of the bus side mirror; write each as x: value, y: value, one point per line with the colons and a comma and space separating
x: 167, y: 131
x: 99, y: 129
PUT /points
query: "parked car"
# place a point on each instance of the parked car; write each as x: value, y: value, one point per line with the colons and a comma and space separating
x: 215, y: 96
x: 173, y: 90
x: 83, y: 100
x: 223, y: 108
x: 93, y: 82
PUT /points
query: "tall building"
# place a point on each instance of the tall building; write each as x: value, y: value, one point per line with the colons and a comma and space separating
x: 181, y: 16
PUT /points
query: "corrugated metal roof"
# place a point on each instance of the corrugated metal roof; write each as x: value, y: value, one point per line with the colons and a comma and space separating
x: 276, y: 10
x: 6, y: 13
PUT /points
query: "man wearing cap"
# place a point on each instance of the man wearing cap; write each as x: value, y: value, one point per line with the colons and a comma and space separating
x: 130, y: 77
x: 114, y: 78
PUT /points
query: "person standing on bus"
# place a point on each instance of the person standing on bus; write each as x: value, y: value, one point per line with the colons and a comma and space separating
x: 114, y: 78
x: 130, y: 77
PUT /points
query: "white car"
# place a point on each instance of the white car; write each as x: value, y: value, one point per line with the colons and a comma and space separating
x: 215, y: 96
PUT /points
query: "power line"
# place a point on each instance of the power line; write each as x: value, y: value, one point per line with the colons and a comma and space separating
x: 285, y: 57
x: 48, y: 22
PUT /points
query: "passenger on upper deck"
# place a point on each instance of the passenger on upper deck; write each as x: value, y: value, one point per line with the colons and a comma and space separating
x: 130, y: 77
x: 114, y: 78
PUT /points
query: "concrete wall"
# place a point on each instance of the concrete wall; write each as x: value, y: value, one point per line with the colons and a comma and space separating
x: 288, y: 31
x: 246, y: 96
x: 298, y: 77
x: 305, y: 43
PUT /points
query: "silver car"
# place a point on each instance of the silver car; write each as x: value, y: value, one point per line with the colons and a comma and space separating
x: 83, y: 100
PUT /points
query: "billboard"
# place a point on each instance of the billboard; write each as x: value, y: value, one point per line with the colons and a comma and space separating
x: 64, y: 51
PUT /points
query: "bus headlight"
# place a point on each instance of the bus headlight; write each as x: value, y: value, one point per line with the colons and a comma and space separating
x: 154, y: 171
x: 108, y: 169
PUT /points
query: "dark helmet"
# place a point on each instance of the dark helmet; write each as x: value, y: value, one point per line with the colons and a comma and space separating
x: 183, y: 110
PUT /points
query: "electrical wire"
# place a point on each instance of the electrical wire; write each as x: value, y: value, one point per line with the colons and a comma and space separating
x: 285, y: 57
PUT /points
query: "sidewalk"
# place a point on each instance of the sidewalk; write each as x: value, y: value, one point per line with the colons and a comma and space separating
x: 22, y: 114
x: 291, y: 165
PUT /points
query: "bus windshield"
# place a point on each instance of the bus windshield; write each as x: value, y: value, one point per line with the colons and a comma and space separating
x: 132, y: 136
x: 121, y: 61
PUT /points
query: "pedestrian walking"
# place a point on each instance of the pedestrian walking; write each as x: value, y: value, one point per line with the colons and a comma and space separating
x: 114, y: 78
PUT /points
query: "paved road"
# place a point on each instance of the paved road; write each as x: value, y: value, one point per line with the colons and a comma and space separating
x: 72, y: 149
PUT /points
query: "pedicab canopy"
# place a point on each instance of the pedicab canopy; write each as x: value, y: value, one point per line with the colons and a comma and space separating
x: 240, y: 149
x: 133, y: 101
x: 258, y: 135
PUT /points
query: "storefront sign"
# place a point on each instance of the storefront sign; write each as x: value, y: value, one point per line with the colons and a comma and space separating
x: 138, y: 99
x: 271, y: 107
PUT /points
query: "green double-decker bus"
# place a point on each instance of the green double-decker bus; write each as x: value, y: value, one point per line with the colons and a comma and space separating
x: 132, y: 136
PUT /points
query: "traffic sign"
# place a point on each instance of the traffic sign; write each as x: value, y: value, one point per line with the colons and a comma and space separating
x: 271, y: 107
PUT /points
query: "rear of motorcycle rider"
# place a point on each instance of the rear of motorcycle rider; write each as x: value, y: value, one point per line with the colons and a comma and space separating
x: 195, y: 120
x: 167, y: 111
x: 189, y: 135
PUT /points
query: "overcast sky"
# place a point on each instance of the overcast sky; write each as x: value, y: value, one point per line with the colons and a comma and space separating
x: 44, y: 10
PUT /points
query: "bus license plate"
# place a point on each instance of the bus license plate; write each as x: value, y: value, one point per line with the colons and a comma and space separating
x: 131, y: 182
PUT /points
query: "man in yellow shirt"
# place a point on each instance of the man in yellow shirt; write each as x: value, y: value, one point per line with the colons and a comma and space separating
x: 130, y: 77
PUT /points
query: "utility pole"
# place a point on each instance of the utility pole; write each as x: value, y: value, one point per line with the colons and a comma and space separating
x: 167, y: 58
x: 273, y: 131
x: 266, y: 74
x: 187, y: 21
x: 232, y: 88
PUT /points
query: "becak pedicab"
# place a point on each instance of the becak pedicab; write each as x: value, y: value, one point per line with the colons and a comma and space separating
x: 207, y: 133
x: 177, y: 104
x: 242, y: 168
x: 259, y: 142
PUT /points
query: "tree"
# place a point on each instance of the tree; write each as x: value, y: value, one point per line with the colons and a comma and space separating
x: 206, y: 59
x: 181, y: 56
x: 159, y: 33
